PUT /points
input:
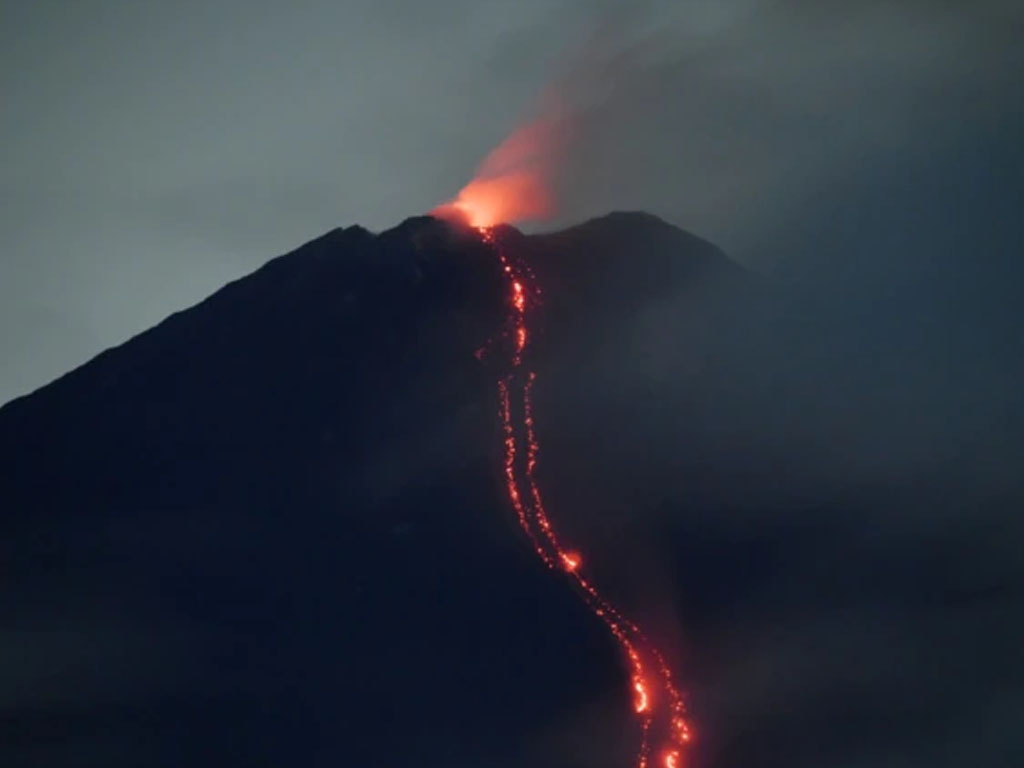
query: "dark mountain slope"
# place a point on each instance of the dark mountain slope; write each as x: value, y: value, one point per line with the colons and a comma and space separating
x: 270, y: 530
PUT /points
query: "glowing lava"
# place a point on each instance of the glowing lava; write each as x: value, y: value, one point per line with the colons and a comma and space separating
x: 512, y: 182
x: 656, y: 699
x: 571, y: 561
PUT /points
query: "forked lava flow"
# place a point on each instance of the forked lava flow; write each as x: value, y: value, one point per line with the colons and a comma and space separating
x: 657, y: 701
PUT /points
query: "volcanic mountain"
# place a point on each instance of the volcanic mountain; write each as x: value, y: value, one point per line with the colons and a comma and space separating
x: 275, y: 530
x: 271, y: 530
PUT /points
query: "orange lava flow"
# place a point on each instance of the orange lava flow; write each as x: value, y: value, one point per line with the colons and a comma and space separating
x: 657, y: 701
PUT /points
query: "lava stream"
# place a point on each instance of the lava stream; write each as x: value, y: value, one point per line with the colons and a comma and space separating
x: 657, y: 701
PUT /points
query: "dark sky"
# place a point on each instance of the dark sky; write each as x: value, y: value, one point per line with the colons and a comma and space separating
x: 152, y: 151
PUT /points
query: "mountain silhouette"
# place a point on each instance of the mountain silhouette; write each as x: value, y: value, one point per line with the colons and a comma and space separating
x: 271, y: 530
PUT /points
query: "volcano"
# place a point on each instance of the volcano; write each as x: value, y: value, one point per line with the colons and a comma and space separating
x: 272, y: 529
x: 276, y: 529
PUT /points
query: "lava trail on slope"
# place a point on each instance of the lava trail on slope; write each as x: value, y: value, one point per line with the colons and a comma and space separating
x: 657, y: 701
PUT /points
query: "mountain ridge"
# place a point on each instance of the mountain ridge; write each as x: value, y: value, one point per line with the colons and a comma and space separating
x: 336, y: 237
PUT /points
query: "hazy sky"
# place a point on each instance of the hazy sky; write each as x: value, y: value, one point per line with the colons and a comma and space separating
x: 153, y: 151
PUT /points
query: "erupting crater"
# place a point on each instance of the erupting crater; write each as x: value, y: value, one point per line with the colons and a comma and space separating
x: 511, y: 185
